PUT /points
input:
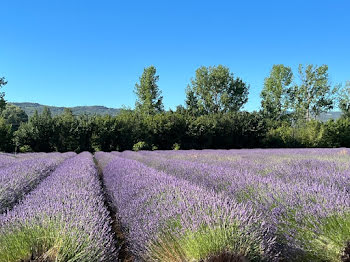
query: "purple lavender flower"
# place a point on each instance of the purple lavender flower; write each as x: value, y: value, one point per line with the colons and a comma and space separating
x: 165, y: 214
x: 63, y: 219
x: 22, y: 176
x: 291, y: 188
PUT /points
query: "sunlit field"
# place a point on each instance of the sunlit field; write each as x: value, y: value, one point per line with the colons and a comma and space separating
x: 195, y: 205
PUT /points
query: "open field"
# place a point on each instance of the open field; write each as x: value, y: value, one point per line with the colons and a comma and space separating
x: 208, y: 205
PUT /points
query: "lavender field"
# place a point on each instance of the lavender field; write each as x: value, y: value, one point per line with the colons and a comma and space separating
x: 208, y: 205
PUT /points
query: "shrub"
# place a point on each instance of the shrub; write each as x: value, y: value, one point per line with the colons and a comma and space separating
x: 283, y: 136
x: 309, y: 134
x: 176, y: 146
x: 141, y: 145
x: 25, y: 149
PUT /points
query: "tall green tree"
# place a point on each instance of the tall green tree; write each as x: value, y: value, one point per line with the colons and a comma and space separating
x: 85, y: 130
x: 192, y: 104
x: 65, y: 129
x: 216, y: 90
x: 105, y: 134
x: 38, y: 133
x: 14, y: 116
x: 43, y: 131
x: 344, y: 99
x: 275, y: 97
x: 3, y: 82
x: 149, y: 99
x: 5, y: 136
x: 314, y: 94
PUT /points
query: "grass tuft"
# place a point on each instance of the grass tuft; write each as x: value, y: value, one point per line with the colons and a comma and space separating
x: 206, y: 244
x: 324, y: 239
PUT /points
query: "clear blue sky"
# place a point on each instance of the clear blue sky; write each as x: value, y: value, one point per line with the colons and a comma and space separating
x: 80, y: 52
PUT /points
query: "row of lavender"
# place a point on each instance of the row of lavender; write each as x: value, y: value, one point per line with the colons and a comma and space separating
x: 25, y: 173
x: 63, y: 219
x: 303, y: 196
x: 7, y: 159
x: 184, y: 206
x: 171, y: 219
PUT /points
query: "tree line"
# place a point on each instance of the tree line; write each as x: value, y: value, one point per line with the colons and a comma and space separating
x: 211, y: 117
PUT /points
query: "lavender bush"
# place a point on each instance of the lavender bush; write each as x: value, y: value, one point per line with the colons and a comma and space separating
x: 170, y: 219
x: 248, y: 205
x: 21, y: 177
x: 63, y: 219
x: 7, y: 159
x: 303, y: 194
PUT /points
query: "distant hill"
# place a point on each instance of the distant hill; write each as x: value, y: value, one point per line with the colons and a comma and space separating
x: 324, y: 117
x: 330, y: 115
x: 30, y: 108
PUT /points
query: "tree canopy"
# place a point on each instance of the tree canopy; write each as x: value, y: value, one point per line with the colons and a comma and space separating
x: 14, y: 116
x: 216, y: 90
x: 210, y: 119
x: 149, y: 99
x: 275, y: 96
x: 314, y: 94
x: 3, y: 82
x: 344, y: 99
x: 38, y: 133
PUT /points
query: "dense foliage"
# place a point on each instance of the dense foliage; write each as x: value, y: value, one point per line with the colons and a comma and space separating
x: 168, y: 130
x: 67, y: 132
x: 2, y: 94
x: 289, y: 117
x: 344, y: 99
x: 216, y: 90
x: 275, y: 96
